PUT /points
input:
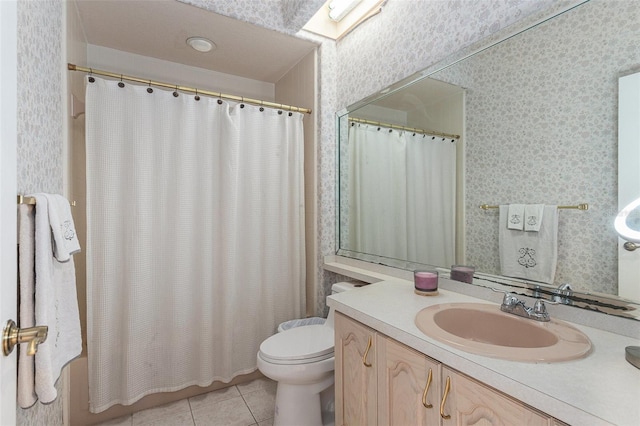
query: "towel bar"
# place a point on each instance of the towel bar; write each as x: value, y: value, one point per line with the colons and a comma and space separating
x: 582, y: 206
x: 32, y: 201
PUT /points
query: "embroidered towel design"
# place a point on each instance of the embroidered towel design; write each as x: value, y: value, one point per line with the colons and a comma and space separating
x: 529, y: 255
x: 533, y: 214
x: 516, y: 216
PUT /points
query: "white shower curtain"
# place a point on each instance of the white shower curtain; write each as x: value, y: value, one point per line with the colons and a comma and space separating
x: 402, y: 195
x: 195, y: 217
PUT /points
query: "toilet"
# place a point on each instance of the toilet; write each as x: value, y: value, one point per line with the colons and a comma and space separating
x: 301, y: 360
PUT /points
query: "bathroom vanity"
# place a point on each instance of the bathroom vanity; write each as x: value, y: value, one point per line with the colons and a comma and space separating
x: 390, y: 372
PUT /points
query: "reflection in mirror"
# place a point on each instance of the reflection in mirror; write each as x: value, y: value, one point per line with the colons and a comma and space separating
x: 538, y: 125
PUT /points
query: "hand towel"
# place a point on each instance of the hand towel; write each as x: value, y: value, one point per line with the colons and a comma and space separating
x: 26, y: 257
x: 516, y: 215
x: 56, y: 306
x: 62, y: 227
x: 530, y: 255
x: 533, y: 214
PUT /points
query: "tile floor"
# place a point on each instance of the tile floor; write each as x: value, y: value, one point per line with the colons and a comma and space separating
x: 242, y: 405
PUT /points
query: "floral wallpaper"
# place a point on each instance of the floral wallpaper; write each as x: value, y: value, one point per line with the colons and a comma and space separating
x: 40, y: 131
x: 542, y: 128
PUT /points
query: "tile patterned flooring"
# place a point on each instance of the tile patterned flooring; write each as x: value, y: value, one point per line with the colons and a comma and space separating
x: 241, y: 405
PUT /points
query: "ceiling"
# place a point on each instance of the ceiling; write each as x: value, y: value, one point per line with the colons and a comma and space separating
x: 159, y: 29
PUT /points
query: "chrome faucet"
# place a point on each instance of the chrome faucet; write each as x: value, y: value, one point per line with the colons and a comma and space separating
x: 512, y: 305
x: 563, y: 294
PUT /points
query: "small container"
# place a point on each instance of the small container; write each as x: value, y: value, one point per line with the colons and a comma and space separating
x: 425, y: 282
x: 463, y: 273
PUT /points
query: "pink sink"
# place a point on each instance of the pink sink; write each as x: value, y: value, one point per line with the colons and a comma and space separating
x: 485, y: 330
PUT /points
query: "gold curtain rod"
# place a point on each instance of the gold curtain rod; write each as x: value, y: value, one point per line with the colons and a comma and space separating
x: 268, y: 104
x: 582, y: 206
x: 409, y: 129
x: 32, y: 201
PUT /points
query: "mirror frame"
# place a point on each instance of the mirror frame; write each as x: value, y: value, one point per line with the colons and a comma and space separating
x: 593, y: 301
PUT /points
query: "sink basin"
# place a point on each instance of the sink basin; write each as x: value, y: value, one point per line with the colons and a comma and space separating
x: 485, y: 330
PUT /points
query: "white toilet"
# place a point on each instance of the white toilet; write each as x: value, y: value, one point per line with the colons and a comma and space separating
x: 301, y: 361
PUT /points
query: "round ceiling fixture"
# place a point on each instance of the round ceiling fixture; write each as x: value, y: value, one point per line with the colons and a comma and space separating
x: 201, y: 44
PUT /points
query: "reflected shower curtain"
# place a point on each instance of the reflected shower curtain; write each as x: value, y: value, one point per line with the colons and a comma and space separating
x: 195, y: 240
x: 402, y: 195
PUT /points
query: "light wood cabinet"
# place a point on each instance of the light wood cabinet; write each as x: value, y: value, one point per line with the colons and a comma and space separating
x: 356, y: 382
x: 408, y: 385
x: 380, y: 381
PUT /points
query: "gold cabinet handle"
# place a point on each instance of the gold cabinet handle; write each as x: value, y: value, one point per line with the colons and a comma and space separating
x: 366, y: 352
x: 12, y: 335
x: 426, y: 391
x: 447, y: 387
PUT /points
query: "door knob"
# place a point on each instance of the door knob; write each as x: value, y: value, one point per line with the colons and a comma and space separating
x: 12, y: 335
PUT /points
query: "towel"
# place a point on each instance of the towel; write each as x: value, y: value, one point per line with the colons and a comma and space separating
x: 533, y: 214
x: 530, y: 255
x: 516, y: 214
x: 62, y: 227
x: 26, y: 256
x: 56, y: 305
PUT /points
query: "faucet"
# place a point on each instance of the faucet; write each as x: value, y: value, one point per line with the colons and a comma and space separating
x: 512, y: 305
x: 563, y: 294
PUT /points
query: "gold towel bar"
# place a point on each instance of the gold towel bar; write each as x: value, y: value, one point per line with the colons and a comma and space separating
x: 581, y: 206
x: 31, y: 200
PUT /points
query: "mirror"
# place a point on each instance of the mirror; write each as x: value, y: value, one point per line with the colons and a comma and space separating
x: 538, y: 124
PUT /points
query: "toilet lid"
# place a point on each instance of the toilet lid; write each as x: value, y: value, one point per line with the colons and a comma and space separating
x: 309, y: 343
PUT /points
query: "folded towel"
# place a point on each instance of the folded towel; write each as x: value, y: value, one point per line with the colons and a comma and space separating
x: 26, y: 256
x: 530, y: 255
x: 56, y: 305
x: 64, y: 231
x: 533, y: 214
x: 515, y: 218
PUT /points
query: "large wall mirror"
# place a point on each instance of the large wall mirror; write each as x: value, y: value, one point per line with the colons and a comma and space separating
x: 531, y: 119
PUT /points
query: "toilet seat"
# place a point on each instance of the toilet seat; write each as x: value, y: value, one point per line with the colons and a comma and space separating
x: 300, y: 345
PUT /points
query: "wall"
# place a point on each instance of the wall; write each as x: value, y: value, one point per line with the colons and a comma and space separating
x: 40, y: 129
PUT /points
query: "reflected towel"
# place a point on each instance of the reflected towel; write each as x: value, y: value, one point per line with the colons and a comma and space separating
x: 26, y: 257
x: 56, y: 306
x: 62, y: 227
x: 533, y: 214
x: 515, y: 217
x: 530, y: 255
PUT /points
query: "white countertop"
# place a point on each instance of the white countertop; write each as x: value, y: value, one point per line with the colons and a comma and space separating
x: 602, y: 388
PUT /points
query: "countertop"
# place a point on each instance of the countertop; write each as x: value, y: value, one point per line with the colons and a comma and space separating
x: 602, y: 388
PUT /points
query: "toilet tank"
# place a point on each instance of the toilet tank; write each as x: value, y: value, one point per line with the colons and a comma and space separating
x: 339, y: 288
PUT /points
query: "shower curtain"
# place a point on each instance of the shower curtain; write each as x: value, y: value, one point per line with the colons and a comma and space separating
x: 402, y: 195
x: 195, y: 237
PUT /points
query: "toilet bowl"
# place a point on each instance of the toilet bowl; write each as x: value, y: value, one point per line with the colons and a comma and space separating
x: 301, y: 360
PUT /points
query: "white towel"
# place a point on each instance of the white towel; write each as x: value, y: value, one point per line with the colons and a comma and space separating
x: 533, y: 214
x: 56, y: 306
x: 516, y: 215
x: 64, y: 231
x: 530, y: 255
x: 26, y: 257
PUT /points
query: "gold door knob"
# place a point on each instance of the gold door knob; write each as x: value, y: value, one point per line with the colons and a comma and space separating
x: 12, y: 335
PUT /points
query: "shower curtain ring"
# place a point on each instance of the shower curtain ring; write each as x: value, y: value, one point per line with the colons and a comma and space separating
x: 197, y: 98
x: 121, y: 84
x: 91, y: 79
x: 242, y: 100
x: 175, y: 93
x: 149, y: 89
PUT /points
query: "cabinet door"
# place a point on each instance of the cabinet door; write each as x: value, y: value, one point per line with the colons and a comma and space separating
x: 356, y: 387
x: 408, y: 386
x: 471, y: 403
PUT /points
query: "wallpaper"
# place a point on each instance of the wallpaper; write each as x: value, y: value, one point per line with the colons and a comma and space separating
x: 542, y: 128
x: 40, y: 121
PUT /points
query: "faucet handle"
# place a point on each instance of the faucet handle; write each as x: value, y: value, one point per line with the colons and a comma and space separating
x: 509, y: 299
x: 540, y: 311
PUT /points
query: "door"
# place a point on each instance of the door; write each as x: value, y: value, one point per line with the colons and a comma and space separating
x: 628, y: 177
x: 8, y: 100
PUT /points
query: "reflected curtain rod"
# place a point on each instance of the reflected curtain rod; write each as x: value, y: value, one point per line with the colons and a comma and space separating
x: 408, y: 129
x: 581, y: 206
x: 73, y: 67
